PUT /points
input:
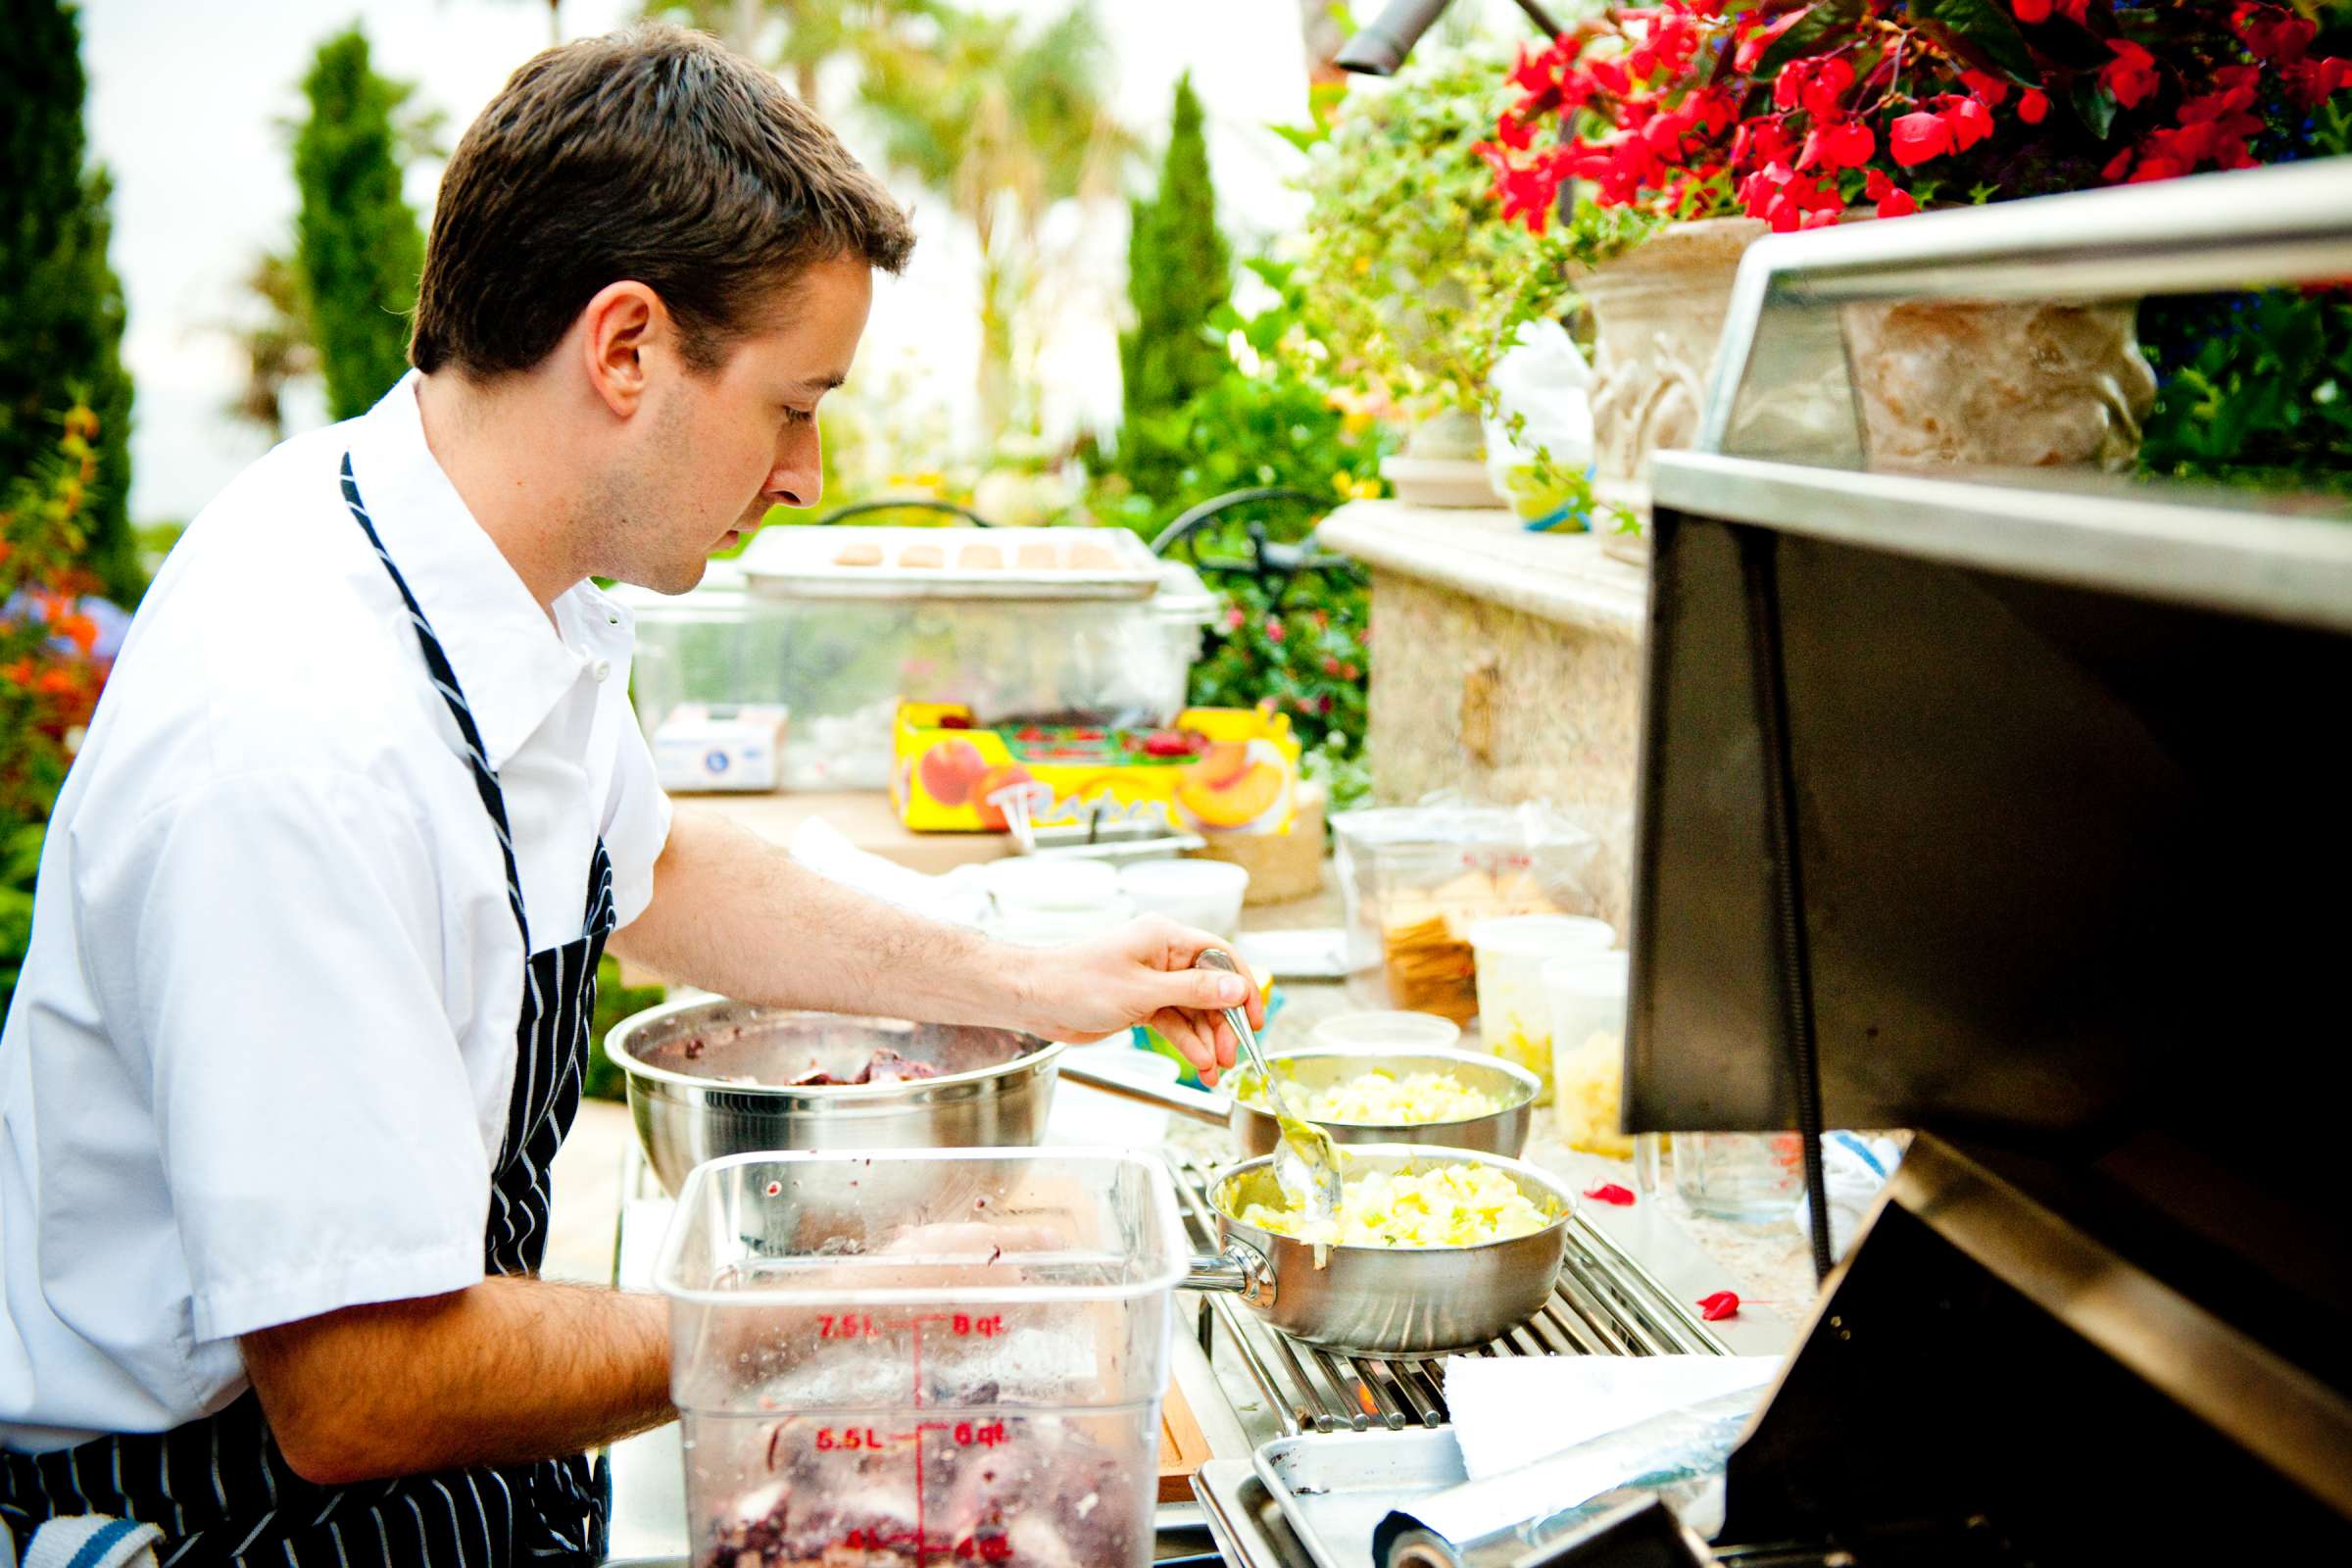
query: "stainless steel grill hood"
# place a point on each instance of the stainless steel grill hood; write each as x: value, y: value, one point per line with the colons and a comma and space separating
x: 2013, y: 808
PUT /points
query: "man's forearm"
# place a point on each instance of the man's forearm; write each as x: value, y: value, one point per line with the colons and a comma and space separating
x: 737, y: 915
x: 503, y: 1372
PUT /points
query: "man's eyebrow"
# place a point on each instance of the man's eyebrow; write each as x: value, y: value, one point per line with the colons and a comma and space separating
x: 817, y: 383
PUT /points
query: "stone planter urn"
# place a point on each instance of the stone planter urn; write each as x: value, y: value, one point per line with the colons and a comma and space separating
x: 1936, y: 382
x: 1657, y: 314
x: 2006, y: 384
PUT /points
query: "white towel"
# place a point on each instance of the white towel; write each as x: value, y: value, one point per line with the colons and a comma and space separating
x: 88, y: 1541
x: 960, y: 898
x: 1509, y: 1412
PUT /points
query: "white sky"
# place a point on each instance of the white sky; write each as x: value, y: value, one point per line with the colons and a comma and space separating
x: 187, y: 97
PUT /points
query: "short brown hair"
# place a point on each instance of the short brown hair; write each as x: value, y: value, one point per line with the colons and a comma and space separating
x: 654, y: 154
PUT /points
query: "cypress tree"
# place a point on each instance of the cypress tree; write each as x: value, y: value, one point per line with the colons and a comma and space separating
x: 1179, y: 271
x: 61, y: 305
x: 356, y: 239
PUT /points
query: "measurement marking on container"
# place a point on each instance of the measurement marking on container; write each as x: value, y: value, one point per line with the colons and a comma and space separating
x: 984, y: 1435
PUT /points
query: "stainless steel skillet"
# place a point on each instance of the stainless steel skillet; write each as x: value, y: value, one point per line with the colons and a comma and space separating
x: 1378, y: 1300
x: 1503, y: 1132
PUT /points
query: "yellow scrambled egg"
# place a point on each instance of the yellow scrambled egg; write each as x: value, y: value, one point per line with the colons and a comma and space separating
x: 1380, y: 1098
x: 1446, y: 1205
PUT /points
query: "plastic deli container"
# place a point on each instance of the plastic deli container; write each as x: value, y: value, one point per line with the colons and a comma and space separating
x: 1205, y: 894
x: 1587, y: 1050
x: 941, y: 1355
x: 1388, y: 1031
x: 1514, y: 1011
x: 842, y: 665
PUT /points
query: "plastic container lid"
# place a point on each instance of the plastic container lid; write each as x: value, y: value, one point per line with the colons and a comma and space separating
x: 1388, y: 1031
x: 1182, y: 597
x: 1542, y: 936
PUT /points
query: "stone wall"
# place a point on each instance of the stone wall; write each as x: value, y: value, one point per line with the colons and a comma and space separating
x: 1505, y: 665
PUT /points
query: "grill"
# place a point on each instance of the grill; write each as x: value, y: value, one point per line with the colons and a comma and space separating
x: 1604, y: 1304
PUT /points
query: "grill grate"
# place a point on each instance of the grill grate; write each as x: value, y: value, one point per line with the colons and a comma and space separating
x: 1605, y: 1305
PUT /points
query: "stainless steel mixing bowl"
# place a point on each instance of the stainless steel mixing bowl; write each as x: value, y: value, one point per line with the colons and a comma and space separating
x: 707, y: 1078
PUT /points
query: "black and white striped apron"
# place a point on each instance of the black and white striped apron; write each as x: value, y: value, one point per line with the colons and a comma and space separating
x: 217, y: 1487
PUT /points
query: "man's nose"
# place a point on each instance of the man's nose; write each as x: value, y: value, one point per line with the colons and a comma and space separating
x: 798, y: 479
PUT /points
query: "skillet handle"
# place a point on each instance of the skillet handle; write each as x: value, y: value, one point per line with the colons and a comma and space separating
x: 1240, y: 1271
x: 1198, y: 1103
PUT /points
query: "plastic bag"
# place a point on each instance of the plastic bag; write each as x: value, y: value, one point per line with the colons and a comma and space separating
x: 1854, y: 1166
x: 1415, y: 878
x: 1542, y: 404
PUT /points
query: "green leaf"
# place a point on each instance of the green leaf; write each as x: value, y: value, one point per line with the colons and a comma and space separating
x: 1806, y: 35
x: 2093, y: 106
x: 1984, y: 30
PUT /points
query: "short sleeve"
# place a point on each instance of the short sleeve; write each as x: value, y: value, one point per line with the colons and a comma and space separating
x: 636, y: 821
x: 267, y: 950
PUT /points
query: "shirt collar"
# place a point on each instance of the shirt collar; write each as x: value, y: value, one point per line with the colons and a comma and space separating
x: 512, y: 662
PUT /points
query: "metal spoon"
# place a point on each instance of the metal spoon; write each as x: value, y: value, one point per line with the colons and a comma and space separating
x: 1310, y: 1143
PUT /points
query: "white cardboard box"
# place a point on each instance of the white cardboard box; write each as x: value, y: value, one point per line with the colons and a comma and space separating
x: 709, y: 746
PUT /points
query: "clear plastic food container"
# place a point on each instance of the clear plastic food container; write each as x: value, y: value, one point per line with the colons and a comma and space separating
x: 929, y: 1357
x: 1514, y: 1011
x: 842, y: 665
x: 1414, y: 879
x: 1587, y: 1050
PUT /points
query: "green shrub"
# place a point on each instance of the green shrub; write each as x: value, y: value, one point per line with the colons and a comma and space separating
x: 357, y: 241
x: 1268, y: 419
x: 1179, y: 271
x: 614, y: 1001
x: 61, y: 304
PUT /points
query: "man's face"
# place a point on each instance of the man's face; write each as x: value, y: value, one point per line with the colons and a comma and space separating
x: 715, y: 449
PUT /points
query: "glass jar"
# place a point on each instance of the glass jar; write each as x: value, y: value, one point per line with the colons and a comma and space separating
x: 1749, y: 1178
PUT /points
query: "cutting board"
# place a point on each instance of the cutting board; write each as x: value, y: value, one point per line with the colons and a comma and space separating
x: 1182, y: 1447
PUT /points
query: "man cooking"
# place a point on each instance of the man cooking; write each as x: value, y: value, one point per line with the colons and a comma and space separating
x: 317, y: 927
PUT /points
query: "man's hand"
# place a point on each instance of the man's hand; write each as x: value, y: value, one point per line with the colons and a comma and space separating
x: 1141, y: 973
x: 737, y: 916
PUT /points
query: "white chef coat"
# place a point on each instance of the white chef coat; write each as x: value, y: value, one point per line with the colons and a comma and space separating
x: 258, y: 1062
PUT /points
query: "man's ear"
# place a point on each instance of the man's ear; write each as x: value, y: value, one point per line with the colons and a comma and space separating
x: 618, y: 325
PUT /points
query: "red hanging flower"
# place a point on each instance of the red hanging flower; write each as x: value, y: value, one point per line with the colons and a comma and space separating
x: 2033, y: 107
x: 1992, y: 89
x: 2313, y: 81
x: 1918, y: 137
x: 1971, y: 122
x: 1752, y: 46
x: 1848, y: 144
x: 1722, y: 1304
x: 2131, y: 77
x: 2272, y: 34
x: 2031, y: 13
